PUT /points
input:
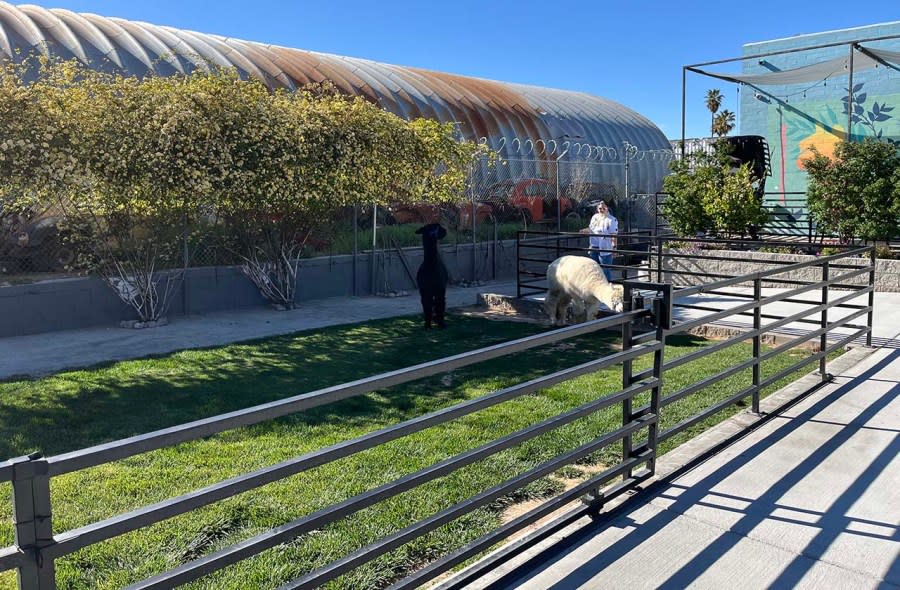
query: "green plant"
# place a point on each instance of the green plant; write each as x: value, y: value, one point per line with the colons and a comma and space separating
x: 732, y: 203
x: 776, y: 249
x: 856, y: 194
x: 707, y: 193
x: 723, y: 123
x: 884, y: 252
x: 684, y: 207
x: 713, y: 104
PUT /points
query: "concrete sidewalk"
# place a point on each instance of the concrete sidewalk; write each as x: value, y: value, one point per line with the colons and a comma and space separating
x: 42, y: 354
x: 885, y: 329
x: 810, y: 499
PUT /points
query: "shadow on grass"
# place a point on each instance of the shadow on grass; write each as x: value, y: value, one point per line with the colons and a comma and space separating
x: 78, y: 409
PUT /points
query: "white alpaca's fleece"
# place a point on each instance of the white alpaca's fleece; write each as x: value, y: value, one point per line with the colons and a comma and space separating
x: 579, y: 280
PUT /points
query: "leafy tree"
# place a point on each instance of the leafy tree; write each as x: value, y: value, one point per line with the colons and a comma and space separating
x: 707, y: 192
x: 323, y: 151
x: 148, y: 156
x: 134, y: 164
x: 734, y: 206
x: 684, y: 207
x: 723, y: 123
x: 856, y: 194
x: 713, y: 104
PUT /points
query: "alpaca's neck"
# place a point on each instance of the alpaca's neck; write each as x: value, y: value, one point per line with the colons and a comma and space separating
x: 603, y: 292
x: 431, y: 252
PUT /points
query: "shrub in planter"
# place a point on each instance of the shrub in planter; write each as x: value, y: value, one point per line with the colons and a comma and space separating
x: 708, y: 193
x: 857, y: 193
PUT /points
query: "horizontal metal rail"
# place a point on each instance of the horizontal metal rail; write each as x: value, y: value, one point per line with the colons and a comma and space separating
x: 750, y: 333
x: 391, y: 542
x: 704, y: 383
x: 11, y: 558
x: 547, y: 508
x: 76, y: 539
x: 688, y: 325
x: 710, y: 411
x: 794, y: 342
x: 813, y: 358
x: 121, y: 449
x: 255, y: 545
x: 765, y: 274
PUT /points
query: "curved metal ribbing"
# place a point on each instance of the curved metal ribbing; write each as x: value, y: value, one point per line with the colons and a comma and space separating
x: 481, y: 108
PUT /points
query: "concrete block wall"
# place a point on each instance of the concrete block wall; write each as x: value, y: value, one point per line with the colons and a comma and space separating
x: 72, y: 303
x: 887, y: 272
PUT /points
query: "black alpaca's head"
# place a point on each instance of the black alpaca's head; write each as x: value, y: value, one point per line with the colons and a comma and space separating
x: 432, y: 232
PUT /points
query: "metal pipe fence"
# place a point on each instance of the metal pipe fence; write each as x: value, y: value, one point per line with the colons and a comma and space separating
x: 650, y: 318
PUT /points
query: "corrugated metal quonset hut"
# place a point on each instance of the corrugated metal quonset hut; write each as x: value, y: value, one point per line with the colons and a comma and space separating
x: 529, y: 125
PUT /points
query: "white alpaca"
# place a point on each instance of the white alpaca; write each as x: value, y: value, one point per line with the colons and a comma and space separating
x: 579, y: 280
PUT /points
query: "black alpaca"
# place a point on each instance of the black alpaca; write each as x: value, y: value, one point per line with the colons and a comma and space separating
x: 432, y: 277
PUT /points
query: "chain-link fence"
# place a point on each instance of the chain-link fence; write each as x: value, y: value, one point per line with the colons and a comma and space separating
x: 33, y: 245
x: 501, y: 199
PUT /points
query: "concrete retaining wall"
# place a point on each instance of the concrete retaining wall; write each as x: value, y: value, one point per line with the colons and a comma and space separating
x: 887, y: 272
x: 65, y: 304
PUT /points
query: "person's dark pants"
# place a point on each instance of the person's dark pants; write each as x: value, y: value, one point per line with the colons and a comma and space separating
x: 601, y: 258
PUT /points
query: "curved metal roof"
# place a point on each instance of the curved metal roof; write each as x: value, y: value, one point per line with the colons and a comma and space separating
x: 488, y: 109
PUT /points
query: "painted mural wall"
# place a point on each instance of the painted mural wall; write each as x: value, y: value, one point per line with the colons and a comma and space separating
x: 796, y: 117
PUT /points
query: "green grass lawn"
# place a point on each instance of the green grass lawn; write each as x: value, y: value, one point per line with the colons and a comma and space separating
x: 81, y: 408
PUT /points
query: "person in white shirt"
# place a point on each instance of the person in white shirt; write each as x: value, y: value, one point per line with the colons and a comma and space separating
x: 603, y: 229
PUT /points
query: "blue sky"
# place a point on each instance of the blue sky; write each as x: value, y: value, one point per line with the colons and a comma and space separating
x: 630, y: 52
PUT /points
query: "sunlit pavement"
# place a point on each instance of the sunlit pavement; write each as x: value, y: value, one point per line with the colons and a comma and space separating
x: 811, y: 499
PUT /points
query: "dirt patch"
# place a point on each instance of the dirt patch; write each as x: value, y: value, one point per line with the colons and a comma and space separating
x: 498, y: 315
x: 516, y: 510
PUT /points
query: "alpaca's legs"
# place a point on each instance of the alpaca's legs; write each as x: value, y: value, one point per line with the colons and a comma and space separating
x: 427, y: 307
x: 561, y: 304
x: 578, y: 311
x: 550, y: 305
x: 440, y: 305
x: 591, y: 312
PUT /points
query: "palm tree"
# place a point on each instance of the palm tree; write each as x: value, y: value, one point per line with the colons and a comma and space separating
x: 723, y: 123
x: 713, y: 103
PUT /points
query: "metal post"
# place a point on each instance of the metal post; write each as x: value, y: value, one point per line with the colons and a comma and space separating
x: 683, y: 107
x: 518, y: 265
x: 655, y: 214
x: 757, y: 338
x: 474, y: 237
x: 823, y: 339
x: 558, y: 206
x: 871, y: 294
x: 849, y: 99
x: 186, y: 257
x: 355, y: 246
x: 374, y: 234
x: 32, y: 518
x: 627, y: 412
x: 659, y: 259
x: 494, y: 252
x: 663, y: 319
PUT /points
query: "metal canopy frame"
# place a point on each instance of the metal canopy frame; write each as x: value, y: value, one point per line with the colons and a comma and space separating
x: 695, y: 68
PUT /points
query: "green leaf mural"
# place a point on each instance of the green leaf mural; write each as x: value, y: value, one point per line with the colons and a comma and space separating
x: 793, y: 128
